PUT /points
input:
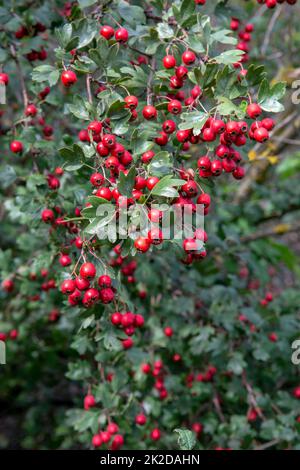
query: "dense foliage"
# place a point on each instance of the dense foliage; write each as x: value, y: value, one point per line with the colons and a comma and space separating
x: 149, y: 342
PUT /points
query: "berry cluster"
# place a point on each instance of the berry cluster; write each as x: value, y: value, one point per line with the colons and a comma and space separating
x: 273, y: 3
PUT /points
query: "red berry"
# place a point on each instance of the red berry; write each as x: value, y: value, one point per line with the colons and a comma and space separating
x: 155, y: 434
x: 174, y: 107
x: 87, y: 271
x: 107, y: 32
x: 95, y: 127
x: 131, y: 102
x: 261, y: 135
x: 4, y: 78
x: 169, y: 61
x: 31, y: 110
x: 48, y: 216
x: 149, y: 112
x: 142, y: 244
x: 168, y: 331
x: 68, y: 286
x: 254, y: 110
x: 16, y: 146
x: 188, y: 57
x: 97, y: 179
x: 104, y: 281
x: 68, y: 78
x: 121, y: 35
x: 141, y: 419
x: 151, y: 182
x: 169, y: 126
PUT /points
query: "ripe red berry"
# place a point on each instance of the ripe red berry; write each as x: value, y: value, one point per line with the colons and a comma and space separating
x: 68, y: 286
x: 155, y: 434
x: 16, y: 146
x: 121, y: 35
x: 196, y: 92
x: 169, y: 61
x: 204, y: 199
x: 68, y: 78
x: 183, y: 135
x: 216, y: 167
x: 105, y: 193
x: 238, y: 173
x: 116, y: 318
x: 168, y: 331
x: 107, y: 295
x: 147, y: 156
x: 95, y: 127
x: 141, y: 419
x: 174, y: 107
x: 97, y: 440
x: 149, y: 112
x: 169, y: 126
x: 127, y: 343
x: 31, y: 110
x: 112, y: 428
x: 4, y: 78
x: 97, y: 179
x: 107, y: 32
x: 48, y: 216
x: 204, y: 163
x: 188, y: 57
x: 117, y: 442
x: 104, y: 281
x: 131, y: 101
x: 254, y: 110
x: 142, y: 244
x: 7, y: 285
x: 261, y: 135
x: 151, y: 182
x: 87, y: 271
x: 89, y: 401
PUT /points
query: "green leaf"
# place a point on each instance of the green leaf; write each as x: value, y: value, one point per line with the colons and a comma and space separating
x: 134, y: 14
x: 229, y: 57
x: 7, y: 176
x: 268, y: 97
x: 164, y: 31
x: 126, y: 182
x: 194, y: 120
x: 166, y: 187
x: 45, y: 73
x: 160, y: 164
x: 86, y: 3
x: 223, y: 36
x: 79, y: 108
x: 186, y: 439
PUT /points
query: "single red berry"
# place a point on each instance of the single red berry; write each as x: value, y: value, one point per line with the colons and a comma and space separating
x: 254, y: 110
x: 31, y: 110
x: 121, y: 35
x: 168, y: 331
x: 87, y: 271
x: 174, y: 107
x: 4, y: 78
x: 68, y: 78
x: 155, y: 434
x: 95, y: 127
x: 141, y: 419
x: 169, y: 126
x: 149, y: 112
x: 97, y: 179
x: 188, y: 57
x: 48, y: 216
x: 68, y: 286
x: 131, y: 101
x: 142, y: 244
x: 169, y: 61
x: 16, y: 146
x: 107, y: 32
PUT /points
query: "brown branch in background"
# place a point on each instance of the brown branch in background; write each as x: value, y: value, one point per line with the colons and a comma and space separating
x: 21, y: 76
x: 150, y: 79
x: 270, y: 28
x: 251, y: 396
x: 278, y: 229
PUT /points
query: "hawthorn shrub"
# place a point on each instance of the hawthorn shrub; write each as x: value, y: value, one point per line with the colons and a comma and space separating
x: 117, y: 343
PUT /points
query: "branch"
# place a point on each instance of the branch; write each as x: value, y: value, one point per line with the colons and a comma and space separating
x: 251, y: 395
x: 278, y: 229
x: 21, y: 77
x: 269, y: 31
x: 150, y: 79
